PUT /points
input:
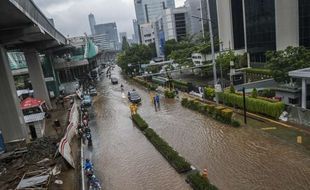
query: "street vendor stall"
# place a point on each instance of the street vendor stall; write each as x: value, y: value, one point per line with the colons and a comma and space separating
x: 34, y: 111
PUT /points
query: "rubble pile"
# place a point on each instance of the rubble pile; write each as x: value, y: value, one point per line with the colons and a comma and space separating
x: 22, y: 158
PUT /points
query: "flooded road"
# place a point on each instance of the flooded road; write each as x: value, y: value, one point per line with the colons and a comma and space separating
x: 237, y: 159
x: 124, y: 159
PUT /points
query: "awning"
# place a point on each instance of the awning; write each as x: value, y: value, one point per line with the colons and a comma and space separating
x: 30, y: 103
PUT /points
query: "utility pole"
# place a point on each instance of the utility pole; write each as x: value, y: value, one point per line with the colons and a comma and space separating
x: 212, y: 50
x: 202, y: 21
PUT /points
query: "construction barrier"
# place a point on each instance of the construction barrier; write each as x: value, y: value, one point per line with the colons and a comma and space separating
x: 71, y: 130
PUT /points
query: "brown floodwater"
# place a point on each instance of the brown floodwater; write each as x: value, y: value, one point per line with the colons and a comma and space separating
x: 236, y: 159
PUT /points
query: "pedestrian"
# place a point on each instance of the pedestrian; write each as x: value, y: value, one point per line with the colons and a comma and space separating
x: 154, y: 102
x: 157, y: 100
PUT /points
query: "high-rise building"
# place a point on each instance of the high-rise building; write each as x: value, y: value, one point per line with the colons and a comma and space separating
x: 257, y: 26
x: 122, y: 35
x: 102, y: 41
x: 92, y: 23
x: 147, y: 33
x: 136, y: 36
x: 198, y: 15
x: 172, y: 24
x: 110, y: 29
x: 148, y: 10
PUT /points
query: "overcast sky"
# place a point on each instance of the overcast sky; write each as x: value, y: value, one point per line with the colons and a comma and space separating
x: 71, y: 16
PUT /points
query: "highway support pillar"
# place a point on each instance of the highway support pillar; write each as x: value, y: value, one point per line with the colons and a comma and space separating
x: 36, y: 76
x: 12, y: 121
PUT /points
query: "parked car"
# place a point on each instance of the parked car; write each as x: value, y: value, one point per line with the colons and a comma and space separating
x: 87, y: 101
x: 134, y: 97
x: 114, y: 80
x: 93, y: 92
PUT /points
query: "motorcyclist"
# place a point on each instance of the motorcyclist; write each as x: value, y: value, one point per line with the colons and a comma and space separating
x: 88, y: 165
x: 122, y: 87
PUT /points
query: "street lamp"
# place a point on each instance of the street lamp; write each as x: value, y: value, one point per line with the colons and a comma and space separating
x: 216, y: 86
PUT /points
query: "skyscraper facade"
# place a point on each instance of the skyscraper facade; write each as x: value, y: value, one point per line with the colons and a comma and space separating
x: 92, y: 23
x: 147, y: 11
x: 110, y: 29
x: 257, y: 26
x: 136, y: 36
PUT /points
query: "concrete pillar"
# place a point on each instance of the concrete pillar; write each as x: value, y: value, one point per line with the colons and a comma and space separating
x: 12, y: 121
x: 304, y: 93
x: 225, y: 25
x: 287, y: 23
x: 37, y: 76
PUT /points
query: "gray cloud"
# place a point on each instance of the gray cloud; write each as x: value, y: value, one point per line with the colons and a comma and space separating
x: 71, y: 16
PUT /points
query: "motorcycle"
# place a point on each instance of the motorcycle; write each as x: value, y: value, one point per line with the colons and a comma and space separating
x: 94, y: 183
x: 88, y: 136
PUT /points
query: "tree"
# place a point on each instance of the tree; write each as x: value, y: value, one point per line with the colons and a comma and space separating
x: 224, y: 60
x: 135, y: 56
x: 125, y: 44
x: 283, y: 61
x: 153, y: 49
x: 254, y: 93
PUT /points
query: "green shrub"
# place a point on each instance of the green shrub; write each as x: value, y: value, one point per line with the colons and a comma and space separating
x: 258, y: 71
x: 181, y: 85
x: 211, y: 109
x: 178, y: 162
x: 235, y: 123
x: 254, y: 93
x: 219, y: 113
x: 209, y: 93
x: 146, y: 84
x: 232, y: 89
x: 199, y: 183
x: 169, y: 94
x: 253, y: 105
x: 139, y: 122
x: 226, y: 115
x: 184, y: 102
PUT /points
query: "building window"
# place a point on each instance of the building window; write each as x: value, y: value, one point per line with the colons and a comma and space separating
x: 260, y: 25
x: 304, y: 23
x: 237, y: 19
x: 293, y: 101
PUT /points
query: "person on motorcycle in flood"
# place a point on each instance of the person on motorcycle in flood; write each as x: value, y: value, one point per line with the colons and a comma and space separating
x: 88, y: 165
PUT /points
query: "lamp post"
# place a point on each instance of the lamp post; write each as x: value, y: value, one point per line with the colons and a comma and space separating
x: 212, y: 51
x: 216, y: 86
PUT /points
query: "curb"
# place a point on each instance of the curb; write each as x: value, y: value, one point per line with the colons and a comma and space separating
x: 82, y: 169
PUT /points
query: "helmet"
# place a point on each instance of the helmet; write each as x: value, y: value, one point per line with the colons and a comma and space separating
x: 87, y: 160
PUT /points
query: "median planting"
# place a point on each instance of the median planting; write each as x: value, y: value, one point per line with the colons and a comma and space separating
x: 219, y: 113
x: 169, y: 94
x: 198, y: 182
x: 144, y: 83
x: 139, y: 122
x: 172, y: 156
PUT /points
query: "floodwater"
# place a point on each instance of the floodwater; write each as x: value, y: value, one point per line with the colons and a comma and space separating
x: 124, y: 159
x: 236, y: 159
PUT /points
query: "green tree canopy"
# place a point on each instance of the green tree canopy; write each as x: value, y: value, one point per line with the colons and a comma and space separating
x: 125, y: 44
x: 134, y: 55
x: 283, y: 61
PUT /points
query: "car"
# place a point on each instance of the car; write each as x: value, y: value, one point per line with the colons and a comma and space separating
x: 93, y: 92
x: 87, y: 101
x: 134, y: 97
x: 114, y: 80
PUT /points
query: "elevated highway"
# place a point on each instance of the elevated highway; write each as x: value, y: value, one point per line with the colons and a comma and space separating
x: 23, y: 27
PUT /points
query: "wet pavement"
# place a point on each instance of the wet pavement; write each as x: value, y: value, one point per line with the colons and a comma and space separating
x: 236, y: 159
x: 123, y: 157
